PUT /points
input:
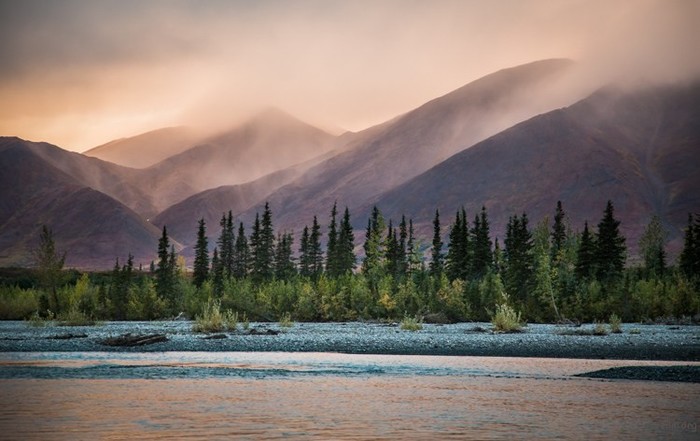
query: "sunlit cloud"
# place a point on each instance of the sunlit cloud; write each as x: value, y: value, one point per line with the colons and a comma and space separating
x: 79, y: 73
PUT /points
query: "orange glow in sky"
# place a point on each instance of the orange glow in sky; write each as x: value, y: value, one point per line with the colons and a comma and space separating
x: 81, y: 73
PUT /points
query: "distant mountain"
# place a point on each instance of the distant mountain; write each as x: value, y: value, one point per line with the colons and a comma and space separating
x: 640, y: 149
x: 120, y: 183
x: 267, y: 143
x: 92, y: 227
x: 382, y: 157
x: 148, y: 148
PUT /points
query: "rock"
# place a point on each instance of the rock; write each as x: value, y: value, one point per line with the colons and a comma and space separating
x: 215, y: 337
x: 256, y: 331
x: 128, y: 340
x: 68, y: 336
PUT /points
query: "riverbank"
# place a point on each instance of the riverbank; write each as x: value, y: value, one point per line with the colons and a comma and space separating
x: 636, y: 342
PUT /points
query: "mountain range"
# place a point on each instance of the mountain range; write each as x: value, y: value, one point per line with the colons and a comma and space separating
x: 514, y: 141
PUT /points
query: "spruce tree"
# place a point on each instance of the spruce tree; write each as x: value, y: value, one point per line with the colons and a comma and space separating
x: 304, y: 257
x: 49, y: 264
x: 518, y: 257
x: 332, y: 264
x: 226, y: 244
x: 437, y: 261
x: 401, y: 251
x: 457, y: 257
x: 610, y: 248
x: 241, y: 254
x: 266, y: 251
x: 201, y: 256
x: 558, y: 231
x: 585, y: 256
x: 689, y: 260
x: 284, y: 265
x: 652, y: 247
x: 346, y: 246
x: 217, y: 271
x: 315, y: 251
x: 482, y: 257
x: 164, y: 271
x: 374, y: 244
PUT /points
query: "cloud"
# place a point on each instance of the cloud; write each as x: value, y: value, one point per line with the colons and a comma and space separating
x: 80, y: 73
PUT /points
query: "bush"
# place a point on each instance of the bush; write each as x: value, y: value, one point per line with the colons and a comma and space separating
x: 36, y: 320
x: 17, y: 303
x: 213, y: 320
x: 506, y: 319
x: 600, y: 329
x: 411, y: 323
x: 615, y: 324
x: 75, y: 317
x: 286, y: 320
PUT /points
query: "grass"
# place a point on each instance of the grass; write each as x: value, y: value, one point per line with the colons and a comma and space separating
x: 411, y: 324
x: 635, y: 331
x: 506, y: 319
x: 600, y: 329
x: 74, y: 317
x: 286, y: 320
x: 615, y: 324
x: 37, y: 321
x: 213, y: 319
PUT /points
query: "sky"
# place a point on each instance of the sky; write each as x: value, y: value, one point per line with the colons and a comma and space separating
x: 81, y: 73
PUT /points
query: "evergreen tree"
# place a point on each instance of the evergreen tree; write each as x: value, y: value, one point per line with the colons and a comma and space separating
x: 201, y: 256
x: 266, y: 249
x: 518, y: 258
x: 122, y: 279
x: 401, y: 250
x: 558, y: 231
x: 392, y: 258
x: 652, y: 246
x: 482, y: 257
x: 585, y: 256
x: 414, y: 259
x: 689, y: 261
x: 241, y: 254
x: 457, y: 259
x: 315, y: 252
x: 226, y: 244
x: 165, y: 271
x: 437, y: 261
x: 609, y: 247
x: 332, y: 264
x: 346, y: 246
x: 374, y: 243
x: 49, y: 264
x: 284, y: 265
x: 217, y: 270
x: 304, y: 258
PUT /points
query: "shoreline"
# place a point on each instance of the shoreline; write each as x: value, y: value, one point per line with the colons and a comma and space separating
x: 637, y: 342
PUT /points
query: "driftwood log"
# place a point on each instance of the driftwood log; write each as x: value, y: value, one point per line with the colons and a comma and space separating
x: 127, y: 340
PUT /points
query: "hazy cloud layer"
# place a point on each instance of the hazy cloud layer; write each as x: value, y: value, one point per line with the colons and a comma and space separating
x: 79, y: 73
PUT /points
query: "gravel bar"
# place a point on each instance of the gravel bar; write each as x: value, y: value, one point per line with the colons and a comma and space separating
x: 686, y: 374
x: 637, y: 342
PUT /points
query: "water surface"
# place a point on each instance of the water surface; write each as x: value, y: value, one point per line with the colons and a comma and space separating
x: 331, y: 396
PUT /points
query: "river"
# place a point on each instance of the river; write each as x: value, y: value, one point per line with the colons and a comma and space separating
x: 275, y: 395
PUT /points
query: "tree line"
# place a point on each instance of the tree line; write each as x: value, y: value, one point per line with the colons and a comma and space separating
x: 547, y: 272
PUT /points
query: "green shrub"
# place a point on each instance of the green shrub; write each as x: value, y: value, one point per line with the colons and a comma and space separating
x: 600, y: 329
x: 36, y: 320
x: 17, y: 303
x: 615, y: 324
x: 213, y: 320
x: 286, y: 320
x: 411, y: 323
x: 75, y: 317
x: 506, y: 319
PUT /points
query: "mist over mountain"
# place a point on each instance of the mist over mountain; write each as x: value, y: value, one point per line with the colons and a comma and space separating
x: 271, y: 141
x: 636, y: 148
x: 382, y: 157
x: 148, y: 148
x: 93, y: 228
x: 515, y: 141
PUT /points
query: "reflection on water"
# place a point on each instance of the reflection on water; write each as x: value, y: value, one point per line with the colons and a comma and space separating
x: 331, y: 396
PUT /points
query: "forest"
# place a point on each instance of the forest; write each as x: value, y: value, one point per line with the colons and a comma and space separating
x: 546, y: 272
